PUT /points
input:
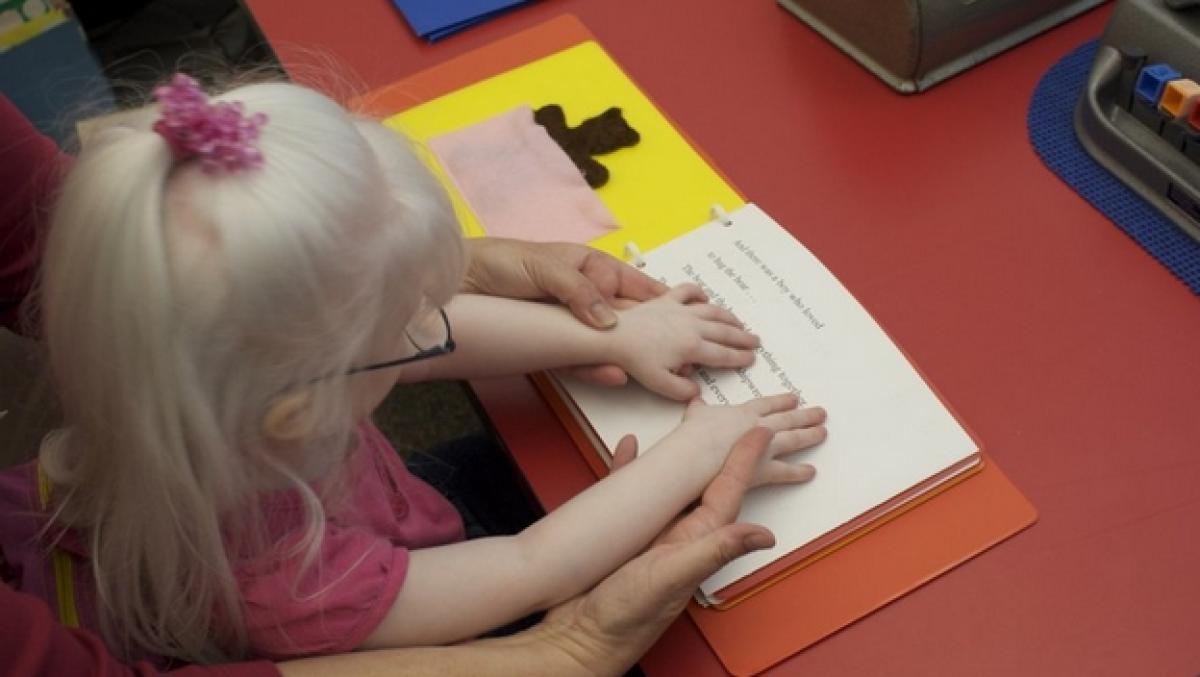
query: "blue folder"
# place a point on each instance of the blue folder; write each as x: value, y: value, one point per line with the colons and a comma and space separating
x: 435, y: 19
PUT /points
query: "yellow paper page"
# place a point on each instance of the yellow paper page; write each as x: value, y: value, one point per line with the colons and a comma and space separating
x: 658, y: 189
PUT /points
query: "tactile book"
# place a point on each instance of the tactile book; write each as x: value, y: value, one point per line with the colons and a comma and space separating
x: 892, y: 442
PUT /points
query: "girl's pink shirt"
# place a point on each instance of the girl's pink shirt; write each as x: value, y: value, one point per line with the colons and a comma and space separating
x: 291, y: 607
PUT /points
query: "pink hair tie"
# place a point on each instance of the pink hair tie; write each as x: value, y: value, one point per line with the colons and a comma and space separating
x: 217, y: 133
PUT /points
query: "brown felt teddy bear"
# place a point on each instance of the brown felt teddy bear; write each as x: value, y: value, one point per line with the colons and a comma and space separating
x: 602, y: 134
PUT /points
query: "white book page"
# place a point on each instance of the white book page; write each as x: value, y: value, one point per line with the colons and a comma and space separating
x: 887, y: 430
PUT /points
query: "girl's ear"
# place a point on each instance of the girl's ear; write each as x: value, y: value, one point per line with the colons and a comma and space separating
x: 289, y: 416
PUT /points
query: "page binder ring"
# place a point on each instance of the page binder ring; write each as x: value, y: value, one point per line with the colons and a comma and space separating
x: 718, y: 213
x: 634, y: 255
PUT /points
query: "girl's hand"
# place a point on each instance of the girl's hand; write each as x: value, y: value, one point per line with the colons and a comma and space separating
x: 717, y: 428
x: 657, y: 341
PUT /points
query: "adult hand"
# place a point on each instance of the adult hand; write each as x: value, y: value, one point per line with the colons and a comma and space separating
x: 606, y: 630
x: 588, y: 281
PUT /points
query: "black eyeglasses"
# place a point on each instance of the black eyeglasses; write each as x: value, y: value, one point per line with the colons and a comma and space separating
x: 446, y: 347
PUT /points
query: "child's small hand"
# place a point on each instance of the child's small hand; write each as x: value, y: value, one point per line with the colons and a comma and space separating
x: 719, y: 427
x: 657, y: 340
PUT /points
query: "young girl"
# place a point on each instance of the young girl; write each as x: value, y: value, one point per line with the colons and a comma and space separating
x: 230, y: 289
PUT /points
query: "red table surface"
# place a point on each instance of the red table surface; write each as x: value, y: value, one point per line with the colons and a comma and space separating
x: 1069, y: 350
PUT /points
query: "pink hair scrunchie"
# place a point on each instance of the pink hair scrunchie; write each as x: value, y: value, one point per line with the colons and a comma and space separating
x: 220, y: 134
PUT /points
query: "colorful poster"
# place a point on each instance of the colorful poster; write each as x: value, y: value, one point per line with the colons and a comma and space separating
x: 23, y: 20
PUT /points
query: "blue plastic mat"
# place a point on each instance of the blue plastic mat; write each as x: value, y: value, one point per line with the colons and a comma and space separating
x: 1052, y: 132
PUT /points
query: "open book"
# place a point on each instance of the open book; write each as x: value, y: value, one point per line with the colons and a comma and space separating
x: 892, y: 442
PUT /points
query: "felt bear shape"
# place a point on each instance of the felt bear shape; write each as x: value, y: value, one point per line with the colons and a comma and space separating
x: 602, y: 134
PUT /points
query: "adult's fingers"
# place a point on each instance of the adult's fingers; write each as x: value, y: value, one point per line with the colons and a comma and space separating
x: 687, y: 293
x: 683, y: 568
x: 670, y: 385
x: 724, y: 494
x: 616, y: 279
x: 631, y: 282
x: 625, y: 452
x: 578, y: 292
x: 600, y: 374
x: 722, y: 499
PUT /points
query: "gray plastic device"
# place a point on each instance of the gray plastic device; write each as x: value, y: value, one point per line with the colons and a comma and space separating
x: 914, y: 44
x: 1139, y: 114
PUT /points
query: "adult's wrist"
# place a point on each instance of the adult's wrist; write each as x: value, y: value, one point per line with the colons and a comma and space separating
x: 471, y: 282
x: 581, y: 649
x: 545, y: 650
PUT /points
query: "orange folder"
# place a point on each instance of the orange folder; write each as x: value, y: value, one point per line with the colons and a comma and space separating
x: 851, y: 582
x: 832, y: 591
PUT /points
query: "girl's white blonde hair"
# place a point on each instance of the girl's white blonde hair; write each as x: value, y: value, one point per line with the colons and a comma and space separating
x: 177, y: 306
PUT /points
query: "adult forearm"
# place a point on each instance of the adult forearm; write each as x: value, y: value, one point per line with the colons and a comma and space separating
x: 547, y: 649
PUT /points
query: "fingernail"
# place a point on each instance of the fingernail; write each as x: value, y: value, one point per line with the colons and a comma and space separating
x: 602, y: 314
x: 758, y: 541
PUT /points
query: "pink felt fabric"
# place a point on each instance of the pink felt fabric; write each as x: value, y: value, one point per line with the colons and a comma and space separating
x: 519, y: 183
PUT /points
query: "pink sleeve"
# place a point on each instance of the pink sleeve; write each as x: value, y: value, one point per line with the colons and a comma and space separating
x: 329, y: 606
